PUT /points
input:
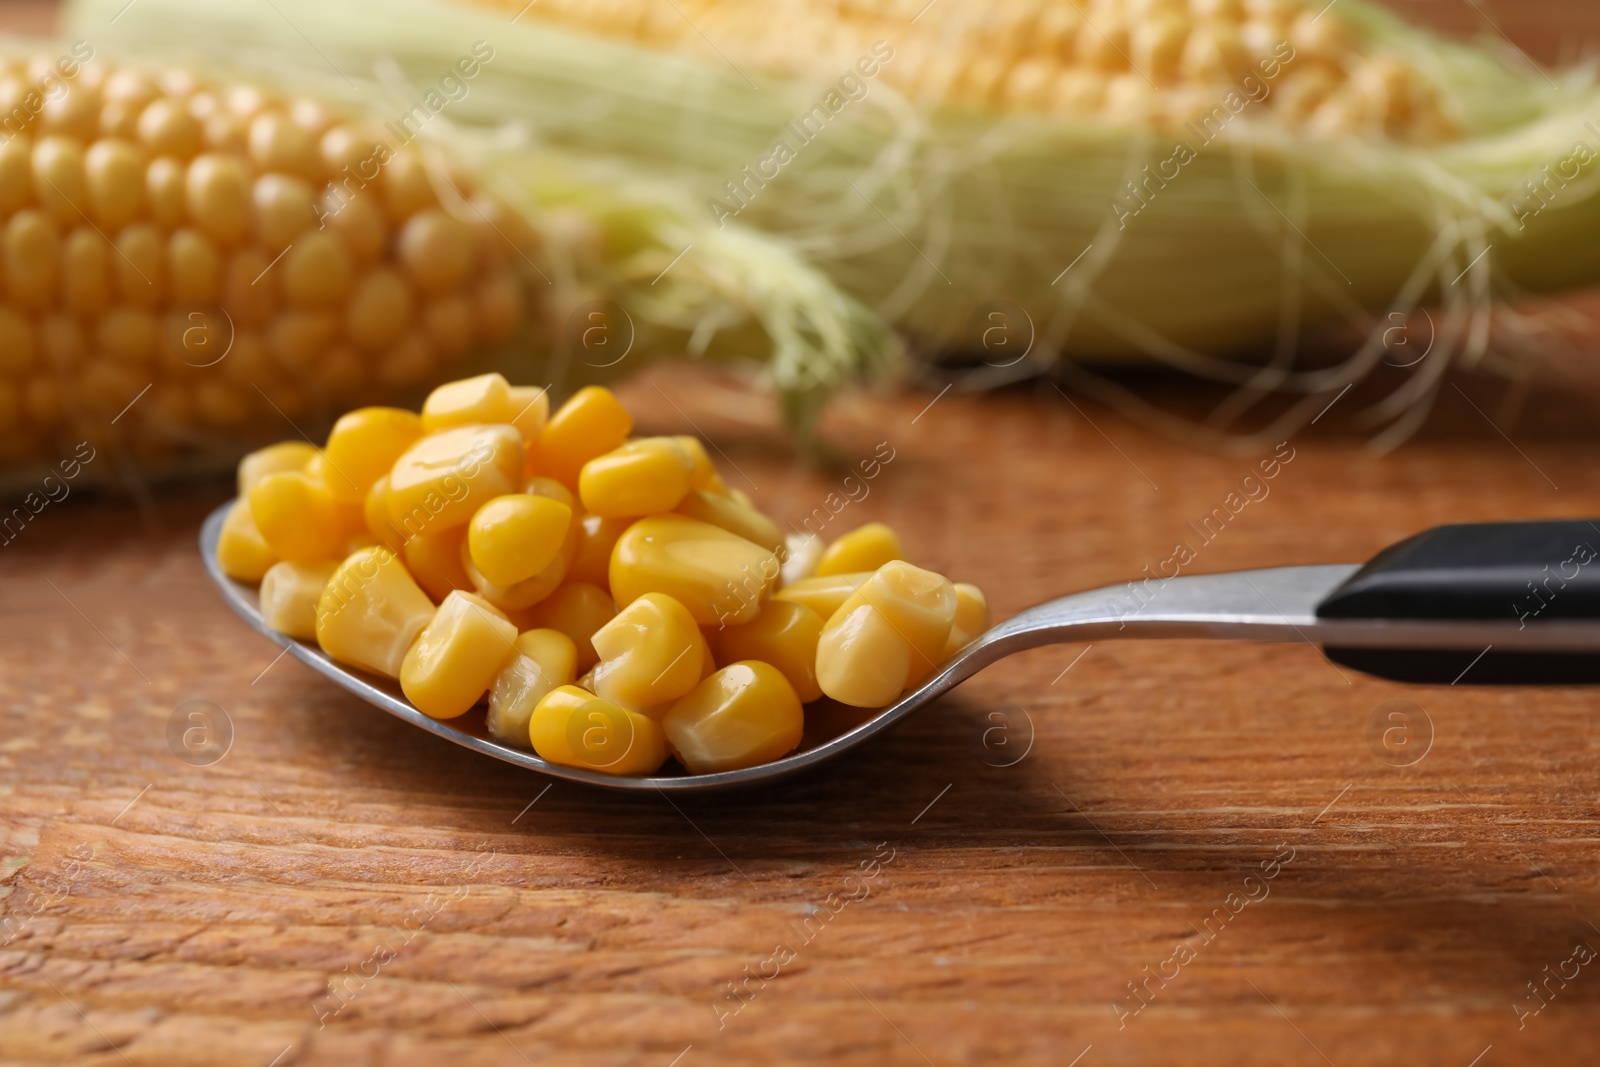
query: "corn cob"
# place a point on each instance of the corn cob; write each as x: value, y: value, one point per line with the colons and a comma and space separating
x: 1139, y: 178
x: 192, y: 265
x: 1152, y: 61
x: 179, y: 256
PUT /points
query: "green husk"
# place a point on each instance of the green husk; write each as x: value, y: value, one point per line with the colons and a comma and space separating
x: 930, y: 217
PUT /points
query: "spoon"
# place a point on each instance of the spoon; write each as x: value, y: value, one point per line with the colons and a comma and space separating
x: 1503, y: 603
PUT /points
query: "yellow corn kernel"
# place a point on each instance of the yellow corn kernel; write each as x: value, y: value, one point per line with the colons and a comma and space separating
x: 823, y: 595
x: 436, y: 249
x: 972, y: 619
x: 241, y: 550
x: 650, y: 653
x: 544, y: 660
x: 444, y: 478
x: 802, y: 553
x: 640, y: 477
x: 862, y: 660
x: 375, y: 514
x: 591, y: 423
x: 597, y: 537
x: 284, y: 456
x: 514, y: 537
x: 524, y: 594
x: 725, y: 512
x: 468, y: 402
x: 530, y: 408
x: 575, y: 728
x: 434, y: 560
x: 290, y: 593
x: 371, y: 611
x: 919, y: 604
x: 364, y: 445
x: 576, y: 609
x: 866, y: 548
x: 456, y: 657
x: 705, y: 474
x: 744, y: 715
x: 298, y: 517
x: 719, y: 576
x: 784, y: 635
x: 551, y: 488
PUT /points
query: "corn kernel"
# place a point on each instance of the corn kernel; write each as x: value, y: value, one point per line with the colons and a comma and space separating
x: 865, y: 548
x: 456, y: 657
x: 281, y: 206
x: 549, y: 487
x: 297, y: 517
x: 58, y: 177
x: 862, y: 660
x: 164, y: 191
x: 169, y: 130
x: 704, y: 475
x: 544, y: 660
x: 284, y: 456
x: 114, y: 175
x: 640, y: 477
x: 289, y: 596
x: 919, y: 604
x: 577, y: 609
x: 371, y: 611
x: 597, y: 537
x: 743, y: 715
x: 719, y: 576
x: 447, y: 476
x: 784, y: 635
x: 347, y: 507
x: 434, y: 560
x: 650, y: 653
x: 823, y: 595
x: 530, y: 409
x: 468, y: 402
x: 528, y: 592
x: 435, y: 248
x: 575, y: 728
x: 277, y: 144
x: 514, y: 537
x: 375, y: 515
x: 591, y: 423
x: 725, y: 512
x: 241, y: 550
x: 218, y: 188
x: 317, y: 271
x: 802, y: 553
x: 972, y: 619
x: 364, y: 445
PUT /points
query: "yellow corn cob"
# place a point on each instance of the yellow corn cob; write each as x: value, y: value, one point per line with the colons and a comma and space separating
x: 177, y: 255
x: 1161, y: 61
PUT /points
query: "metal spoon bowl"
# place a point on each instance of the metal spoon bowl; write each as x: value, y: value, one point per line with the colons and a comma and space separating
x: 1276, y: 605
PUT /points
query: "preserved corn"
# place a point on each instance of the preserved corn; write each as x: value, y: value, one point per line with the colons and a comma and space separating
x: 459, y: 560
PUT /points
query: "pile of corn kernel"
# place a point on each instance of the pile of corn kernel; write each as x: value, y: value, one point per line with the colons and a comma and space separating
x: 611, y: 598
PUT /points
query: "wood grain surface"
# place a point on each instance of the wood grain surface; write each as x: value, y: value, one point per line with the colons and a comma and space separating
x: 981, y: 886
x: 985, y: 885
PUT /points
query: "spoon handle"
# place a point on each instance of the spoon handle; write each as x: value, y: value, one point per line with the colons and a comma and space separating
x: 1526, y: 575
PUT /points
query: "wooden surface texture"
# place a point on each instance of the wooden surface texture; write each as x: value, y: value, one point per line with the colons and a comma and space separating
x: 1063, y: 822
x: 985, y: 885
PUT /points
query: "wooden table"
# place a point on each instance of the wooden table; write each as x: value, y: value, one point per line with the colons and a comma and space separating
x: 982, y: 886
x: 1041, y: 838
